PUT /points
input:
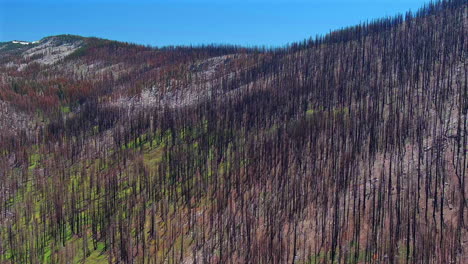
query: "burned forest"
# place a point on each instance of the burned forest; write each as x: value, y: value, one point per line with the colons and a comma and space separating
x: 349, y: 147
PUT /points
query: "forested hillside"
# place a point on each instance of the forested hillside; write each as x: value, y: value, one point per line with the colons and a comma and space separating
x: 344, y: 148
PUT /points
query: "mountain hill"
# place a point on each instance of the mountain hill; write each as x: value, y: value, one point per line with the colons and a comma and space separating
x: 346, y: 148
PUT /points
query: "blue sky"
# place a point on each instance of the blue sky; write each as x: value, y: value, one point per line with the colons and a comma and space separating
x: 184, y: 22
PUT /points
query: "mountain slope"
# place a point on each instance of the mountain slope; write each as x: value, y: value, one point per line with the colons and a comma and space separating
x: 348, y: 148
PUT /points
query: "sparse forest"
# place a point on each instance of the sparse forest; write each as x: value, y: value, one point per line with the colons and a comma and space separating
x: 344, y: 148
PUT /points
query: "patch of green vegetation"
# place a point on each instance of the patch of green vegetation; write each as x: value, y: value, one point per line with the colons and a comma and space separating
x: 96, y: 258
x: 325, y: 257
x: 311, y: 112
x: 341, y: 111
x: 145, y: 142
x: 92, y: 256
x: 34, y: 160
x: 65, y: 109
x: 47, y: 254
x: 152, y: 158
x: 146, y: 148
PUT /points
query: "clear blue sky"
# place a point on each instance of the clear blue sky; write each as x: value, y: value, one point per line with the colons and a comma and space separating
x: 183, y: 22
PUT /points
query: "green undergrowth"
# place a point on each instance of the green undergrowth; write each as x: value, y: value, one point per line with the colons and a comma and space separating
x: 35, y: 203
x: 65, y: 109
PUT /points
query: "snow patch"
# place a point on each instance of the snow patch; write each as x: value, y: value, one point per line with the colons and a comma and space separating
x: 21, y: 42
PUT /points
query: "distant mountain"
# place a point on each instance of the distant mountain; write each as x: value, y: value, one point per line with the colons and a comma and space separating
x: 346, y: 148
